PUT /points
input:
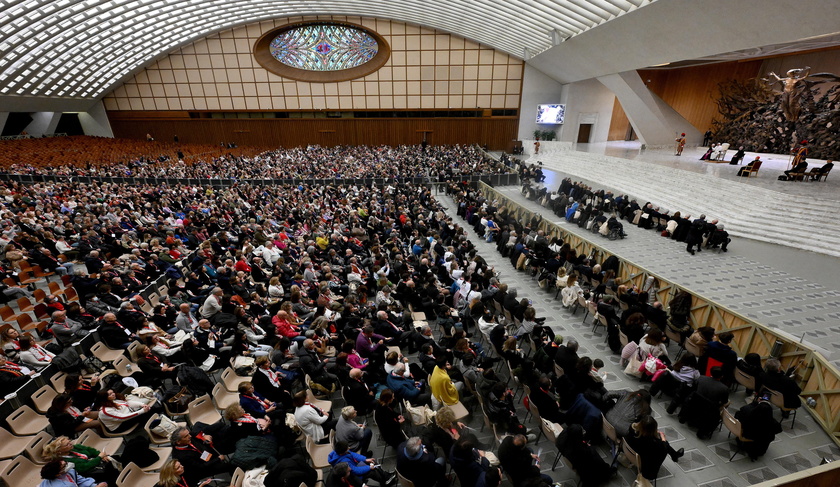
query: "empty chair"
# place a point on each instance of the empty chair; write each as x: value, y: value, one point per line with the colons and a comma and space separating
x: 318, y: 453
x: 11, y: 445
x: 41, y: 311
x: 134, y: 476
x: 202, y: 410
x: 25, y: 278
x: 125, y: 367
x: 39, y: 295
x: 25, y: 322
x: 238, y: 477
x: 108, y: 445
x: 105, y: 354
x: 8, y: 314
x: 55, y: 289
x: 21, y: 472
x: 43, y: 397
x: 24, y: 421
x: 24, y: 304
x: 70, y: 294
x: 232, y: 381
x: 223, y: 398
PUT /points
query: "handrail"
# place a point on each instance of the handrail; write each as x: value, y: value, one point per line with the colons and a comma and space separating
x: 818, y: 378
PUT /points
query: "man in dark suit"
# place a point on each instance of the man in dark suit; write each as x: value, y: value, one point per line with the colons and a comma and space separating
x: 545, y: 399
x: 776, y: 380
x: 198, y: 456
x: 358, y: 394
x: 567, y: 357
x: 702, y: 408
x: 519, y: 461
x: 415, y: 463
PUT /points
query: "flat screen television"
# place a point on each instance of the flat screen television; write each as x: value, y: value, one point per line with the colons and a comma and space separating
x: 553, y: 113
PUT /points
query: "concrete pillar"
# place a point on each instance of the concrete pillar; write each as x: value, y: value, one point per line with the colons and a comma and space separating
x: 43, y: 123
x: 654, y: 121
x: 95, y: 121
x: 3, y: 117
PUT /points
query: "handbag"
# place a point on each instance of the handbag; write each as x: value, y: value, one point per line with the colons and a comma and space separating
x: 164, y: 426
x: 651, y: 365
x: 179, y: 402
x: 636, y: 364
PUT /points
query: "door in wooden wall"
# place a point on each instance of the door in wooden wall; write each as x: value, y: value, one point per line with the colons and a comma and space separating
x: 584, y: 132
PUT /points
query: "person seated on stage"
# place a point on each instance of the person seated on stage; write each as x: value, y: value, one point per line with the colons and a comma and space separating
x: 745, y: 171
x: 738, y: 157
x: 800, y: 168
x: 819, y: 172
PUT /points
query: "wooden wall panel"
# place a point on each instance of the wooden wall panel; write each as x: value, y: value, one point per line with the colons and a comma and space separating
x: 691, y: 91
x: 496, y: 133
x: 619, y: 123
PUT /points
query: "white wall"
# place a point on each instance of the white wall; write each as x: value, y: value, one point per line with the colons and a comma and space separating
x: 537, y: 88
x: 587, y: 102
x: 95, y: 121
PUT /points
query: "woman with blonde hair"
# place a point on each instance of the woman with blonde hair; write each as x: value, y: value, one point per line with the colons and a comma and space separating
x: 172, y: 475
x: 87, y: 461
x: 571, y: 292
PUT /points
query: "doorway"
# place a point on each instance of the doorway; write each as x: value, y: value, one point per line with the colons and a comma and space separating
x: 584, y: 132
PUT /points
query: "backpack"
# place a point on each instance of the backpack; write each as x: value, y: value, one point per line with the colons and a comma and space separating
x: 195, y: 379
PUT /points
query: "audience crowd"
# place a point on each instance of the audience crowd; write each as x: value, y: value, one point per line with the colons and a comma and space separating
x: 312, y: 162
x: 309, y: 292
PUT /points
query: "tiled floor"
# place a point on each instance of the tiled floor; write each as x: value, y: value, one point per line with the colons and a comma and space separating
x: 706, y: 462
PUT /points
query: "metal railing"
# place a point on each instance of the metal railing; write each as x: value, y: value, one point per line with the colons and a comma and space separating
x: 817, y: 377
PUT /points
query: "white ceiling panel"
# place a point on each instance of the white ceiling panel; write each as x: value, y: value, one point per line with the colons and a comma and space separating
x: 48, y: 46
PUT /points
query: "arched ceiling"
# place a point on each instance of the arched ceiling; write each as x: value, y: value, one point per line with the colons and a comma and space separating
x: 81, y: 49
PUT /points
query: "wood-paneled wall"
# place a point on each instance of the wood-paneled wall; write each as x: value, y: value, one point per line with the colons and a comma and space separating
x: 690, y: 91
x: 496, y: 133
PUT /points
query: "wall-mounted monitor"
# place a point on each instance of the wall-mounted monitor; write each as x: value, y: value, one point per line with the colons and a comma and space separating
x: 553, y: 113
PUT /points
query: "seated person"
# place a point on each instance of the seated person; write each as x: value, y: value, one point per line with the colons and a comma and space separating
x: 745, y: 171
x: 58, y: 473
x: 468, y: 462
x: 406, y: 388
x: 719, y: 352
x: 546, y: 400
x: 773, y: 378
x: 358, y: 394
x: 361, y: 466
x: 312, y: 420
x: 389, y: 421
x: 758, y: 425
x: 818, y: 172
x: 198, y: 456
x: 751, y: 365
x: 799, y: 168
x: 651, y: 446
x: 417, y: 464
x: 583, y: 456
x: 519, y: 461
x: 357, y: 436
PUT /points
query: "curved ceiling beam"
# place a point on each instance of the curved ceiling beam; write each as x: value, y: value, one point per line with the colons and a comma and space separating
x: 82, y: 48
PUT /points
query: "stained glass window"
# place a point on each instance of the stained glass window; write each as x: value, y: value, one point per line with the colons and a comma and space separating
x: 324, y: 47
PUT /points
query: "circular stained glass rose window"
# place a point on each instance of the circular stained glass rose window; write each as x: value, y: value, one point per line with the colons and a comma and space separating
x: 322, y: 51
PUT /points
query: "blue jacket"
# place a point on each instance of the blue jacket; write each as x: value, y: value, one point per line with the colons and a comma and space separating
x: 252, y: 407
x: 403, y: 388
x: 355, y: 460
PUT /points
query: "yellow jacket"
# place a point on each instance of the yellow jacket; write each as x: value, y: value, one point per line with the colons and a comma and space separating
x: 442, y: 387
